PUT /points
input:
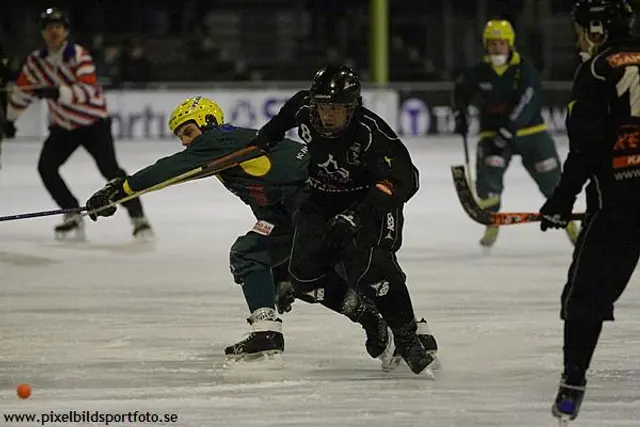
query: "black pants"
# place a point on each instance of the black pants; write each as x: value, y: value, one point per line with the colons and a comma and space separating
x: 60, y: 145
x: 604, y: 258
x: 370, y: 263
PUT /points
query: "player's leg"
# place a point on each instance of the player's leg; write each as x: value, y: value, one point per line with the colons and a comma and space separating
x: 251, y: 266
x: 374, y: 268
x: 540, y: 159
x: 491, y: 164
x: 312, y: 269
x: 605, y: 256
x: 98, y: 141
x: 56, y: 150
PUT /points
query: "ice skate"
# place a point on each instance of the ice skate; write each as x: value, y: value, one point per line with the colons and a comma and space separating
x: 573, y: 231
x: 71, y: 228
x: 490, y: 236
x: 428, y: 342
x: 379, y: 343
x: 264, y: 343
x: 568, y: 400
x: 142, y: 230
x: 412, y: 351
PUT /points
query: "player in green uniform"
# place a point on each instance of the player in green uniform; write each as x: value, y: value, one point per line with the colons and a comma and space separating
x: 272, y: 184
x: 269, y: 184
x: 510, y: 121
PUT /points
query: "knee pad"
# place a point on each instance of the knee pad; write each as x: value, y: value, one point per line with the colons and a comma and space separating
x: 247, y: 255
x: 495, y: 162
x: 546, y: 165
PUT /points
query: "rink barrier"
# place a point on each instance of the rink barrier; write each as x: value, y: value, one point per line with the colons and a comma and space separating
x: 143, y: 114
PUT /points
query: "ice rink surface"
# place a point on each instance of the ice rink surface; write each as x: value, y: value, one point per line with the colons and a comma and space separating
x: 115, y: 326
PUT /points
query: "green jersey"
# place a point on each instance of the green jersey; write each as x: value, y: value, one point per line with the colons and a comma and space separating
x: 261, y: 181
x: 509, y: 96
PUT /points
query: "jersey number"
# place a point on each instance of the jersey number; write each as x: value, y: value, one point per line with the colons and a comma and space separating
x: 630, y: 82
x: 305, y: 133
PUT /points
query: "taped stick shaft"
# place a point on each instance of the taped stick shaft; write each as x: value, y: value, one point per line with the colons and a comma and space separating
x: 211, y: 168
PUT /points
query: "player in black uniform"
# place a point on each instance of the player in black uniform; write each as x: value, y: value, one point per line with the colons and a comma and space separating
x: 603, y: 125
x: 360, y: 176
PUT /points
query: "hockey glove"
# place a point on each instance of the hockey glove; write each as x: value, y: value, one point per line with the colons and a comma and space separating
x: 9, y: 129
x: 286, y: 296
x: 342, y: 229
x: 108, y: 194
x: 262, y: 142
x: 461, y: 122
x: 556, y: 212
x: 47, y: 92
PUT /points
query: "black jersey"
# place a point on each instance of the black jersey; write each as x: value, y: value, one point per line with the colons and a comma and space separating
x: 603, y: 125
x: 365, y: 164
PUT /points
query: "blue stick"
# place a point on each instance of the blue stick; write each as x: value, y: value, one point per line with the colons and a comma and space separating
x: 42, y: 213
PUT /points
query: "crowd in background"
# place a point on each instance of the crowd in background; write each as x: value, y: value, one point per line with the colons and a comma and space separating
x: 134, y: 42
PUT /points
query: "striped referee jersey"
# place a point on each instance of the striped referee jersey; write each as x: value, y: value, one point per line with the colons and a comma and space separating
x: 81, y: 102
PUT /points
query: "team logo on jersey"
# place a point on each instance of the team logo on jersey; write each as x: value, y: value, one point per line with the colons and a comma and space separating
x: 381, y: 287
x: 354, y: 154
x: 390, y: 225
x: 332, y: 170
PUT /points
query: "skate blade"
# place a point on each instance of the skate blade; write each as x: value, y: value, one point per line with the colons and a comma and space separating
x: 70, y: 236
x: 388, y: 358
x: 436, y: 365
x: 145, y: 236
x: 268, y: 360
x: 564, y: 420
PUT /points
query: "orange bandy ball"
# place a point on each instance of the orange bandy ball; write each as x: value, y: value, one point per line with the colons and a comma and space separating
x: 24, y: 391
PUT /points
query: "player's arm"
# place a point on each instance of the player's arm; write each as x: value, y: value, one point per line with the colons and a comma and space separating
x: 203, y: 150
x: 274, y: 130
x: 586, y: 129
x: 464, y: 90
x: 395, y: 176
x: 86, y: 81
x: 21, y: 96
x: 528, y: 98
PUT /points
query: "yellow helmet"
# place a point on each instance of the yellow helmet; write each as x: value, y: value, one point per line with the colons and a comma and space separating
x: 499, y: 30
x: 202, y: 111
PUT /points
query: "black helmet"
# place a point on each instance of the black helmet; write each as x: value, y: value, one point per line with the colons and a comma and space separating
x: 606, y: 17
x: 52, y: 15
x: 335, y: 84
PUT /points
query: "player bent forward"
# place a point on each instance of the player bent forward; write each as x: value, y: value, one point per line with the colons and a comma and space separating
x: 271, y: 184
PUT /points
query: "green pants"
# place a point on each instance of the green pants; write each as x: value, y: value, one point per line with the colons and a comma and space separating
x: 539, y: 157
x: 259, y: 258
x: 266, y: 245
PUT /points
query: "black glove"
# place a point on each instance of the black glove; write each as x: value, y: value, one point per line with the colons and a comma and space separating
x: 105, y: 196
x: 9, y: 129
x: 342, y: 229
x: 262, y: 142
x: 47, y: 92
x: 461, y: 121
x: 286, y: 296
x: 556, y: 212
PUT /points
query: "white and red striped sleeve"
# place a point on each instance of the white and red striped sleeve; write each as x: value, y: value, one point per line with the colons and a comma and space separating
x: 81, y: 80
x: 20, y: 97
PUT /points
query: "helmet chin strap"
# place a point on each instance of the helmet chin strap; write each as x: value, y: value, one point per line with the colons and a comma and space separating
x: 593, y: 46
